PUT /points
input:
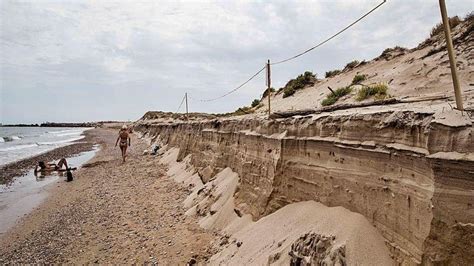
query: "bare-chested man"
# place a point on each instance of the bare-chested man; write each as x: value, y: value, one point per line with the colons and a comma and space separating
x: 123, y: 137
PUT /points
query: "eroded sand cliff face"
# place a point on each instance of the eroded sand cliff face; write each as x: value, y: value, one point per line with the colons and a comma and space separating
x: 406, y: 165
x: 409, y: 173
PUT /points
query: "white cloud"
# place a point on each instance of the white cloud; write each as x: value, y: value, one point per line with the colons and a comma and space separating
x: 117, y: 64
x: 160, y: 49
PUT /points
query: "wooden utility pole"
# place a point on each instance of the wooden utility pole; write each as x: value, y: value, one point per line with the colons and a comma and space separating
x: 186, y: 97
x: 269, y: 84
x: 452, y: 58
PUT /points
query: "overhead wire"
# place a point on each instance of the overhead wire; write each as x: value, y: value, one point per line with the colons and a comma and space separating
x: 330, y: 38
x: 181, y: 104
x: 235, y: 89
x: 290, y: 58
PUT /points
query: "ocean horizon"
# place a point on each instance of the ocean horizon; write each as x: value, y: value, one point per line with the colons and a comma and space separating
x: 18, y: 143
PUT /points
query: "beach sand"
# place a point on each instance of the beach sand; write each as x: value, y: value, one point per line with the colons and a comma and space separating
x: 110, y: 213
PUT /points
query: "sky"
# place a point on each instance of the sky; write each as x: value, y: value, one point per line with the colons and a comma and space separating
x: 77, y: 61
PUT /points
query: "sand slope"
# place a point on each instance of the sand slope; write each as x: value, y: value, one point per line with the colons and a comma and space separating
x: 274, y: 234
x: 270, y: 239
x: 409, y: 73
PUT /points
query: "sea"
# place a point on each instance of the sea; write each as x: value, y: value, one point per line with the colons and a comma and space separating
x: 17, y: 143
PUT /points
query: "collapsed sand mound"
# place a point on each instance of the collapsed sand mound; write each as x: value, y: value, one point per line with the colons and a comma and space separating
x: 303, y: 233
x: 307, y: 233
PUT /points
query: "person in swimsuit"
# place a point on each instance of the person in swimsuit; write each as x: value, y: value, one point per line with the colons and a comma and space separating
x: 123, y: 137
x: 50, y: 167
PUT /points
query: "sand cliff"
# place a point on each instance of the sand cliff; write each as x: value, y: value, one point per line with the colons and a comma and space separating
x: 406, y: 167
x: 412, y: 179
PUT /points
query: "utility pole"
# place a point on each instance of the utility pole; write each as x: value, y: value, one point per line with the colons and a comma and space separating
x: 269, y: 84
x: 452, y: 58
x: 186, y: 97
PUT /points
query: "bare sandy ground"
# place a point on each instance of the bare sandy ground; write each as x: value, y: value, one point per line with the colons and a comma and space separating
x: 110, y: 213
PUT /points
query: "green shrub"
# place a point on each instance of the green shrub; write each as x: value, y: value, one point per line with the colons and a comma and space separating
x: 303, y: 80
x: 265, y: 93
x: 243, y: 111
x: 379, y: 91
x: 351, y: 64
x: 329, y: 101
x: 438, y: 29
x: 359, y: 78
x: 390, y: 53
x: 332, y: 73
x: 288, y: 91
x: 333, y: 97
x: 308, y: 76
x: 255, y: 102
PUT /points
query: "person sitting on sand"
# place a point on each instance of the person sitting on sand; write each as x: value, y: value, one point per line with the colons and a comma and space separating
x: 123, y: 137
x: 49, y: 167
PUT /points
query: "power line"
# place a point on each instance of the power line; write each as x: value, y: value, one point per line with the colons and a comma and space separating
x: 231, y: 91
x: 181, y: 104
x: 330, y: 38
x: 288, y: 59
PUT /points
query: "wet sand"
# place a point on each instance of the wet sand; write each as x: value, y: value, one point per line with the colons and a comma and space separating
x: 110, y: 213
x: 14, y: 169
x: 28, y: 191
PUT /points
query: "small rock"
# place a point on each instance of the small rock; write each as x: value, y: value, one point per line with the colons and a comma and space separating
x: 192, y: 261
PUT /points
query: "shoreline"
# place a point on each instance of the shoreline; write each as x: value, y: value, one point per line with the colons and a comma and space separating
x: 10, y: 171
x: 114, y: 213
x: 25, y: 193
x: 52, y: 124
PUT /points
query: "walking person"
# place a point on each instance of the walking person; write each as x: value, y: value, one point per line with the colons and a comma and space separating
x: 124, y: 138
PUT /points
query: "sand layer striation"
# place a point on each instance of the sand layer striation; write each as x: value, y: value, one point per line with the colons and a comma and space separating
x: 408, y: 172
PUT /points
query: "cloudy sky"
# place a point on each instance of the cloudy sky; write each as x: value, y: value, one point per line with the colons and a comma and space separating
x: 114, y: 60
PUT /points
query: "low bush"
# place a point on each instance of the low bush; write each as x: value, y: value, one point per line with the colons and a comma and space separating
x: 390, y: 53
x: 379, y: 91
x: 438, y: 29
x: 255, y: 102
x: 359, y: 78
x: 303, y: 80
x: 243, y: 111
x: 332, y: 73
x: 333, y: 97
x: 469, y: 16
x: 330, y: 100
x: 288, y: 91
x: 265, y: 93
x: 351, y: 64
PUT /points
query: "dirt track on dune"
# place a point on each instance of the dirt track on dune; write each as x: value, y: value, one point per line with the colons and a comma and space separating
x: 111, y: 213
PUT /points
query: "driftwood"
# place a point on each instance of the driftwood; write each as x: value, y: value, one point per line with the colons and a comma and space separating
x: 285, y: 114
x: 303, y: 112
x: 332, y: 108
x: 424, y: 99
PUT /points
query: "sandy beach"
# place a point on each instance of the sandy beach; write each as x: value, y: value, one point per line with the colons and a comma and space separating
x: 262, y: 133
x: 110, y: 213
